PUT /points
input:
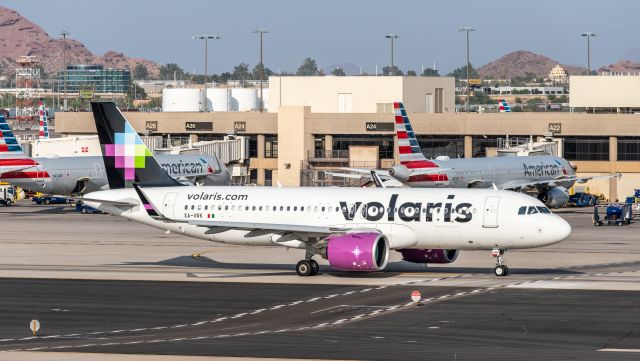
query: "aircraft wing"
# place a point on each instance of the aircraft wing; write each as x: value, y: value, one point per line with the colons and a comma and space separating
x: 15, y: 168
x: 429, y: 171
x: 552, y: 182
x: 345, y: 175
x: 274, y: 227
x: 366, y: 171
x: 120, y: 203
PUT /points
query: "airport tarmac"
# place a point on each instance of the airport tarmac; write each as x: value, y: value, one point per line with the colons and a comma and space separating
x: 105, y: 286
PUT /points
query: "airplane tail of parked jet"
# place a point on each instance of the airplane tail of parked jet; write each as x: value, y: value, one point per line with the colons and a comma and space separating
x: 503, y: 107
x: 44, y: 123
x: 414, y: 166
x: 126, y: 158
x: 9, y: 146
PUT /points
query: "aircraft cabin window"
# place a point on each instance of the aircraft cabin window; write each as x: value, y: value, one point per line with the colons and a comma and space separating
x: 295, y: 208
x: 268, y: 208
x: 544, y: 210
x: 219, y: 207
x: 260, y: 208
x: 301, y: 208
x: 186, y: 207
x: 522, y: 210
x: 233, y: 208
x: 281, y: 208
x: 315, y: 209
x: 226, y: 208
x: 206, y: 207
x: 337, y: 209
x: 288, y: 208
x: 253, y: 208
x: 322, y: 209
x: 246, y: 208
x: 193, y: 207
x: 199, y: 207
x: 532, y: 210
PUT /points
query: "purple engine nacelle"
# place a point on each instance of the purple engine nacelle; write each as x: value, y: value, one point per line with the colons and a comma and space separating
x: 367, y: 251
x: 429, y: 255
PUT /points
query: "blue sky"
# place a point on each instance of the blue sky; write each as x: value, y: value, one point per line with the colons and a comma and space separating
x: 344, y: 31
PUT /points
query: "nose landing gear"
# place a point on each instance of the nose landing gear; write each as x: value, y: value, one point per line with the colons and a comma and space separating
x: 500, y: 270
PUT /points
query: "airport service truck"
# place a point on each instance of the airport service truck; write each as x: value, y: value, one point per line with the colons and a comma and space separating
x: 7, y: 194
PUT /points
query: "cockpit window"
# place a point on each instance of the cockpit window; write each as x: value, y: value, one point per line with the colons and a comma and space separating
x: 532, y: 210
x: 522, y: 210
x: 544, y: 210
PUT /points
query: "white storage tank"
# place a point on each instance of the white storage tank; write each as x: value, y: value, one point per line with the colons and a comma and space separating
x: 244, y: 99
x: 218, y: 100
x: 265, y: 97
x: 181, y: 100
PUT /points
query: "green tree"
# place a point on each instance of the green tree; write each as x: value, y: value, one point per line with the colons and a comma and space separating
x: 136, y: 92
x: 338, y: 72
x: 241, y: 72
x: 480, y: 98
x: 411, y: 73
x: 563, y: 99
x: 171, y: 70
x: 461, y: 73
x: 256, y: 71
x: 395, y: 71
x: 552, y: 98
x: 431, y: 72
x: 140, y: 72
x: 308, y: 68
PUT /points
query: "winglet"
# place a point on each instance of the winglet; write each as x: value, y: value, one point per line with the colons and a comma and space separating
x: 148, y: 206
x: 376, y: 180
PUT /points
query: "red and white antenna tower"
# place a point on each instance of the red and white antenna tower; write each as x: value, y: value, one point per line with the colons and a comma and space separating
x: 27, y: 83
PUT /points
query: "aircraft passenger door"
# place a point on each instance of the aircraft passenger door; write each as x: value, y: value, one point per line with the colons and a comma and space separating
x: 168, y: 206
x: 97, y: 171
x: 490, y: 212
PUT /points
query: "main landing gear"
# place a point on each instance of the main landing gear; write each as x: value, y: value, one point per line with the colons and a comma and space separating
x: 307, y: 268
x: 500, y: 270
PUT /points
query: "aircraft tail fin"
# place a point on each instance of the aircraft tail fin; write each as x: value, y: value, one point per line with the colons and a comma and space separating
x: 148, y: 206
x: 410, y: 152
x: 9, y: 146
x: 126, y: 158
x: 44, y: 123
x: 503, y: 107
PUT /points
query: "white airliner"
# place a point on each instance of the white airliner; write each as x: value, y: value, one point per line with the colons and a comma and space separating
x: 353, y: 228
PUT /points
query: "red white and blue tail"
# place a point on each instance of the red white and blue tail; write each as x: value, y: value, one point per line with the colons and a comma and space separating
x: 503, y: 106
x: 44, y: 123
x: 408, y: 148
x: 9, y: 146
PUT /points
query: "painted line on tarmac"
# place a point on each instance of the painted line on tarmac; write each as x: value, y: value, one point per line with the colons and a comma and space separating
x: 198, y: 323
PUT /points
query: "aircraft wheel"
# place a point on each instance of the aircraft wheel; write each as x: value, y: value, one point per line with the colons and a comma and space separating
x: 315, y: 266
x: 304, y: 268
x: 501, y: 271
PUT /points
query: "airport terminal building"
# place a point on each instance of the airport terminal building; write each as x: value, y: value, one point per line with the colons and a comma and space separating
x: 316, y: 123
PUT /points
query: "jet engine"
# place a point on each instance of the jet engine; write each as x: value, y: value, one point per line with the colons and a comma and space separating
x: 366, y: 251
x: 400, y: 172
x: 554, y: 197
x: 429, y: 255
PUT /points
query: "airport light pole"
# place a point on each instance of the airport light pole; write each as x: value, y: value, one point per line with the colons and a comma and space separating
x: 261, y: 31
x: 391, y: 36
x: 64, y: 34
x: 588, y: 35
x: 467, y: 29
x: 206, y: 38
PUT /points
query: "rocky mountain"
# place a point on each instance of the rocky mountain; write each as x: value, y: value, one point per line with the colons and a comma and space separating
x: 19, y: 36
x: 518, y: 63
x: 623, y: 66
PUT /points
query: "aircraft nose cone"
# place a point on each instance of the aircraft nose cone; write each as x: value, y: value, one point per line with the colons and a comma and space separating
x: 561, y: 229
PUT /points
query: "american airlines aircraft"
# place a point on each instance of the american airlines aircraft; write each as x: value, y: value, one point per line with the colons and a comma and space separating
x: 547, y: 177
x: 79, y: 175
x: 353, y: 228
